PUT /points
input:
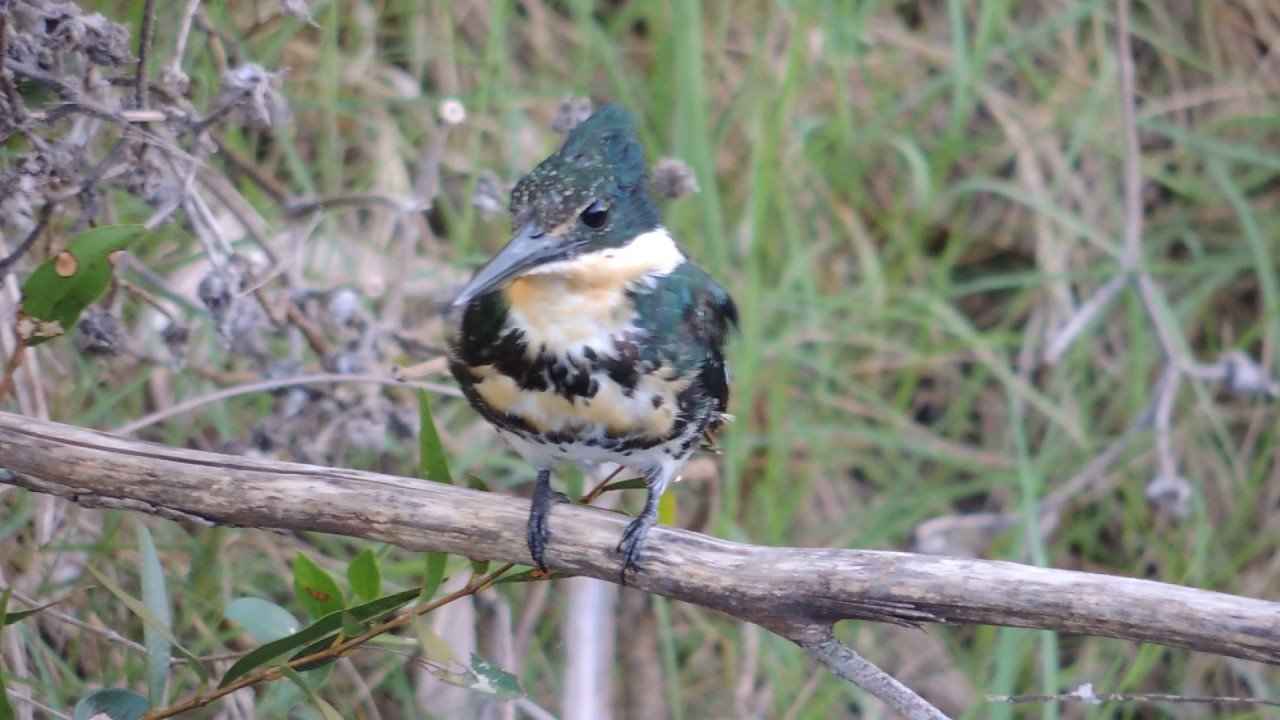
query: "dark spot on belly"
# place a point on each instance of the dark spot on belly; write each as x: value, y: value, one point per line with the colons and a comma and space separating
x: 579, y: 384
x: 657, y: 401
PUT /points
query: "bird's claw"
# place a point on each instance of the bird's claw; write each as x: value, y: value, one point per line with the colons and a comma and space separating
x: 536, y: 533
x: 632, y: 543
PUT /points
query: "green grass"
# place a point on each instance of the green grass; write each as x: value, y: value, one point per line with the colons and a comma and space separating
x: 900, y: 195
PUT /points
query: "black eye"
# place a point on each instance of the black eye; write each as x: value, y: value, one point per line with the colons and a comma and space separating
x: 595, y: 215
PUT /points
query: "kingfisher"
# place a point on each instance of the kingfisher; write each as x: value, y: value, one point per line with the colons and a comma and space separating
x: 590, y: 337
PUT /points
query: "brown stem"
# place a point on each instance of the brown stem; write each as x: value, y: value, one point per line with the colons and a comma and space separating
x: 331, y: 653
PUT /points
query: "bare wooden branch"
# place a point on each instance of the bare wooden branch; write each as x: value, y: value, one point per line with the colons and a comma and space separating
x: 841, y: 660
x: 797, y: 592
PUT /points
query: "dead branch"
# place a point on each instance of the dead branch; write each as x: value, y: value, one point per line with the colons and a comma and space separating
x: 797, y: 592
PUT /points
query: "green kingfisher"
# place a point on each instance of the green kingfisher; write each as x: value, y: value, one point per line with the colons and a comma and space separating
x: 590, y: 337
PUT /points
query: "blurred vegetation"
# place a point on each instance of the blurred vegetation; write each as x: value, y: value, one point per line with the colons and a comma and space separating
x: 909, y: 201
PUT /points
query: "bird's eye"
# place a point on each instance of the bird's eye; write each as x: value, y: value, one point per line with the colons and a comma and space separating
x: 595, y: 215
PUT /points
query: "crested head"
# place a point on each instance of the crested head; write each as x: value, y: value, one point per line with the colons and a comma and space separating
x: 589, y: 196
x: 597, y: 177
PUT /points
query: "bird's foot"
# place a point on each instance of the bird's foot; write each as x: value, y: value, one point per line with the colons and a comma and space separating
x: 633, y: 542
x: 536, y: 534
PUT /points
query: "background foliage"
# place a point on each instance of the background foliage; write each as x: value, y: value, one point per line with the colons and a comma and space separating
x: 910, y: 200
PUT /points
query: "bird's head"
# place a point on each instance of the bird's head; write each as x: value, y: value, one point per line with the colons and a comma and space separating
x: 591, y: 195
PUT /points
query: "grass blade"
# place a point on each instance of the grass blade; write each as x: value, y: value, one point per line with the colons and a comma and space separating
x: 139, y: 608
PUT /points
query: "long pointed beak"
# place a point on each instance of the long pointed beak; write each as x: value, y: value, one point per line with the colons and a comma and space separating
x: 529, y: 248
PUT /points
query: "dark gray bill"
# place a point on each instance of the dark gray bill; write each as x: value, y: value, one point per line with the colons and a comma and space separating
x: 529, y: 248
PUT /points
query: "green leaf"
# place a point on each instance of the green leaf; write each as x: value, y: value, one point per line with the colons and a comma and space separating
x: 475, y: 482
x: 60, y: 288
x: 574, y: 481
x: 159, y: 651
x: 15, y: 617
x: 351, y: 627
x: 139, y: 608
x: 479, y: 566
x: 432, y: 463
x: 435, y: 575
x: 326, y: 710
x: 280, y: 697
x: 667, y: 509
x: 365, y: 576
x: 263, y: 655
x: 484, y: 678
x: 315, y: 587
x: 434, y: 648
x: 265, y: 620
x: 315, y: 647
x: 375, y: 610
x: 531, y: 576
x: 6, y: 710
x: 115, y: 704
x: 328, y: 625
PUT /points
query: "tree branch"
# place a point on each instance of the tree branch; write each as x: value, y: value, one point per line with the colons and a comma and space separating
x: 796, y: 592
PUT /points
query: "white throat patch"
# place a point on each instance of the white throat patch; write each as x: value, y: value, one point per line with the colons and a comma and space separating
x: 653, y: 253
x: 572, y: 304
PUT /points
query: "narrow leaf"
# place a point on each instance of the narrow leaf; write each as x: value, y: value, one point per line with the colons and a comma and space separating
x: 326, y: 710
x: 315, y: 647
x: 6, y: 710
x: 281, y: 697
x: 325, y: 626
x: 15, y: 617
x: 351, y: 627
x: 159, y: 651
x: 364, y: 575
x: 531, y: 576
x: 261, y: 656
x: 60, y: 288
x: 375, y: 610
x: 432, y: 463
x: 112, y: 702
x: 435, y: 575
x: 265, y: 620
x: 434, y: 648
x: 139, y: 608
x: 315, y: 587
